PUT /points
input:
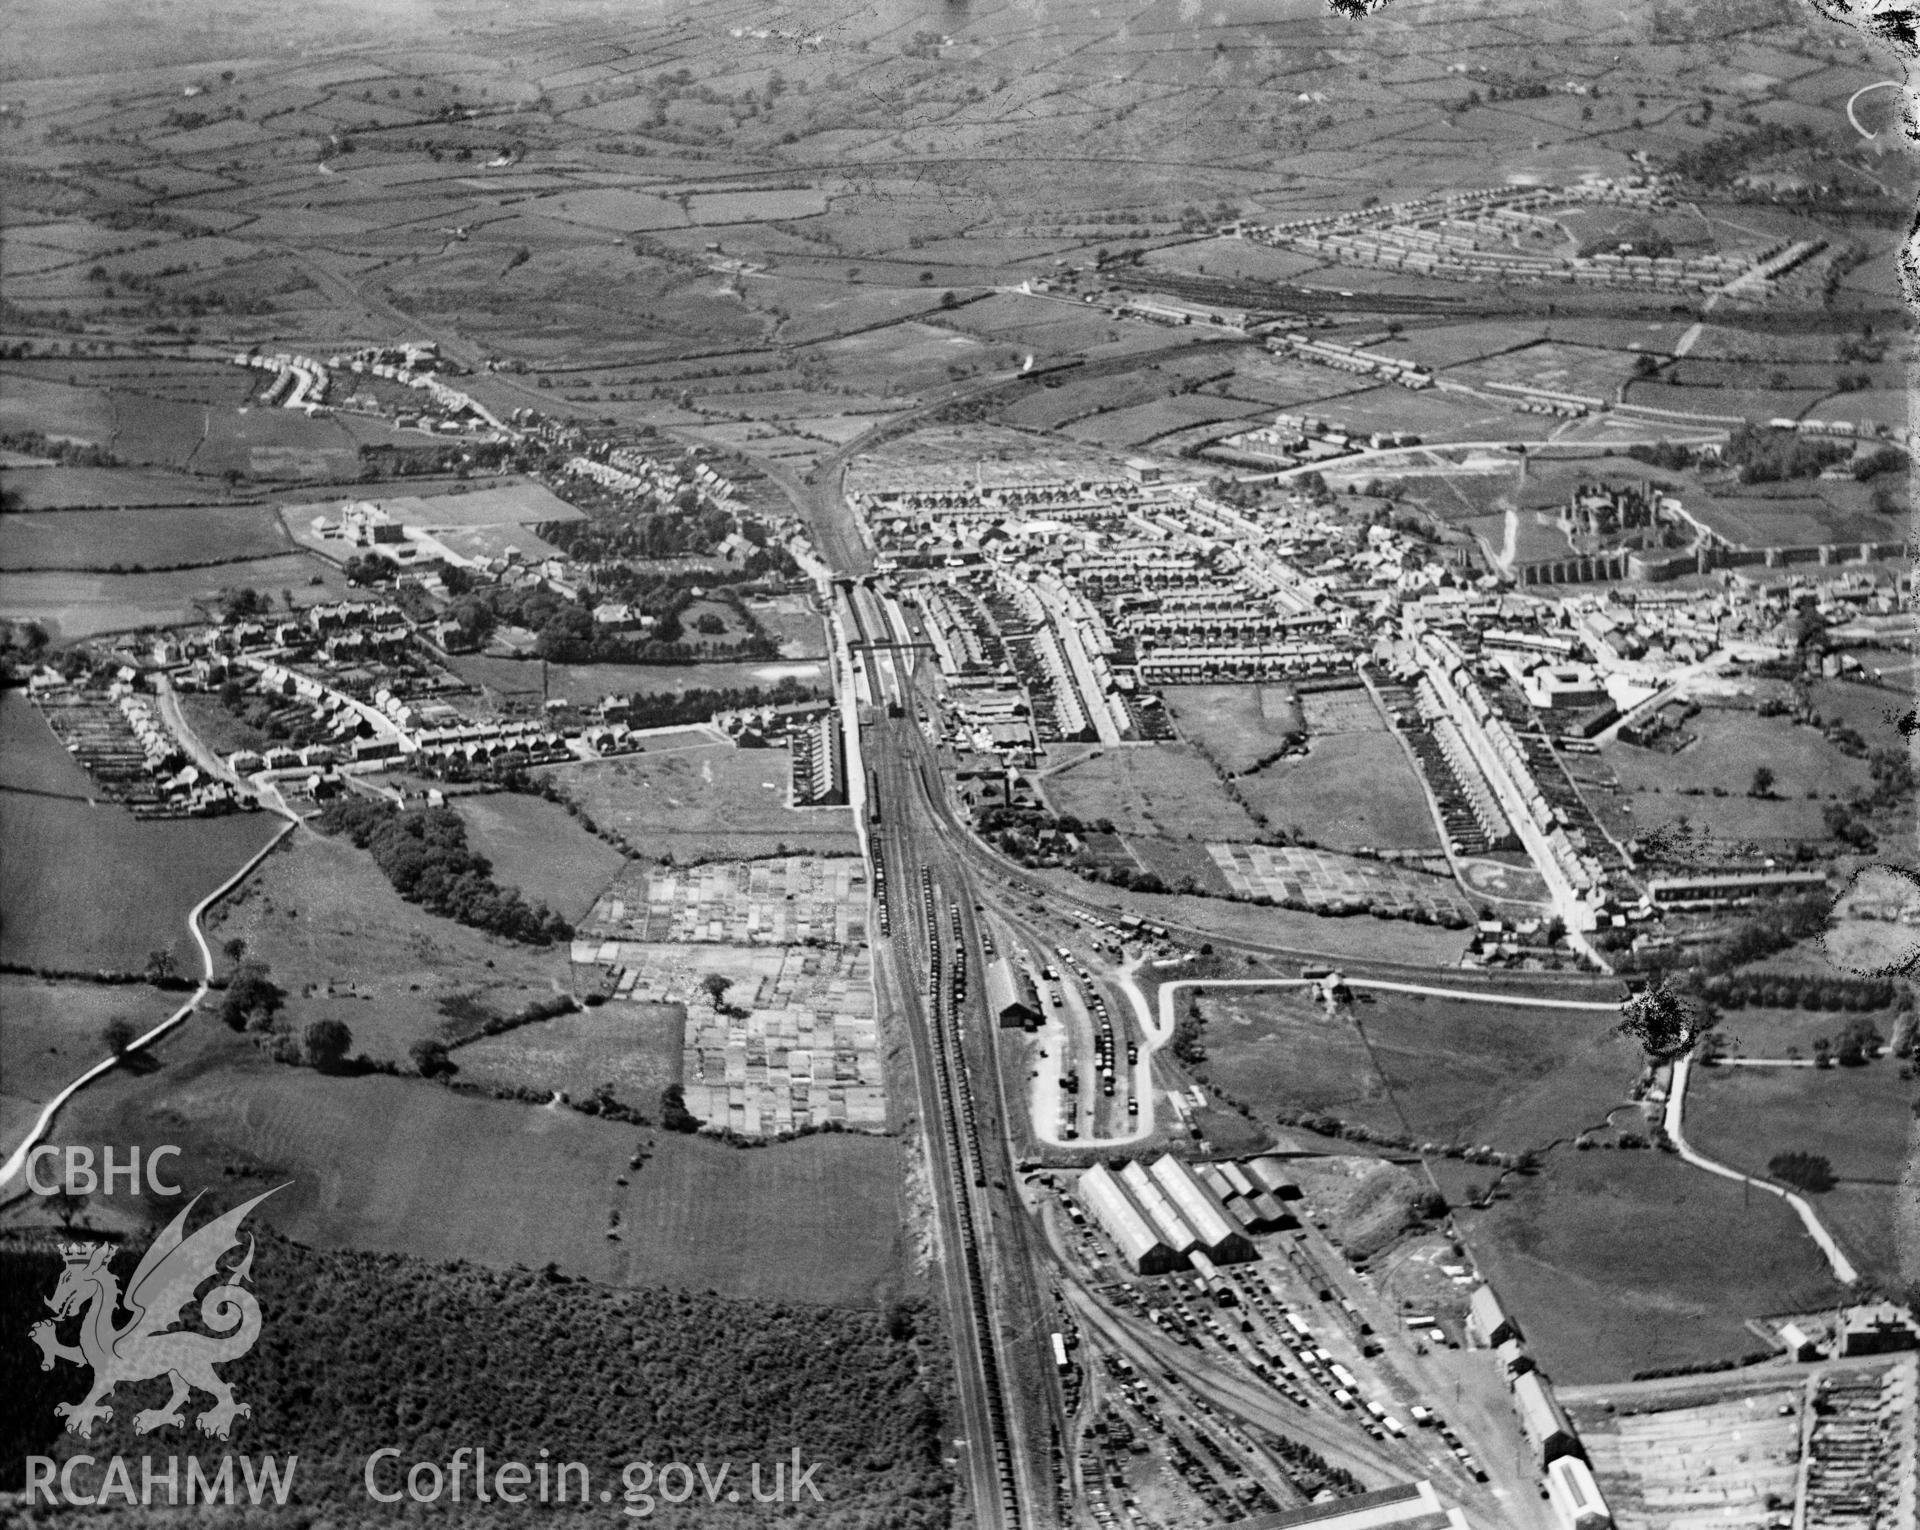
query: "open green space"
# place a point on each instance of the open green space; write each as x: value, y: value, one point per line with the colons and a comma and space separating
x: 130, y: 539
x: 51, y: 1033
x: 88, y: 886
x: 634, y: 1048
x: 72, y: 606
x: 1663, y: 786
x: 704, y: 801
x: 1236, y: 726
x: 345, y: 946
x: 1858, y: 1119
x: 1435, y: 1070
x: 590, y: 682
x: 540, y: 848
x: 1619, y: 1262
x: 404, y: 1166
x: 1168, y: 791
x: 1348, y: 791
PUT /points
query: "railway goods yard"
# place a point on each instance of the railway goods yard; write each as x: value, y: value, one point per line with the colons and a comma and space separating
x: 1090, y: 768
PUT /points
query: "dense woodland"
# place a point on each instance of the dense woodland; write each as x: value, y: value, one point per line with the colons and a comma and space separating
x: 360, y: 1351
x: 424, y: 853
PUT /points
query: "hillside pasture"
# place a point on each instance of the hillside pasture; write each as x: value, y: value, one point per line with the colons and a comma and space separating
x: 82, y: 604
x: 88, y: 886
x: 1617, y: 1262
x: 403, y: 1166
x: 52, y: 1034
x: 346, y: 946
x: 540, y: 848
x: 167, y: 538
x: 635, y: 1048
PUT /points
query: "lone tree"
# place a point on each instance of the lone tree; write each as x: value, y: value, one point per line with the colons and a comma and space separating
x: 1804, y: 1171
x: 328, y: 1042
x: 118, y: 1035
x: 430, y: 1057
x: 1762, y: 782
x: 1665, y: 1025
x: 160, y: 965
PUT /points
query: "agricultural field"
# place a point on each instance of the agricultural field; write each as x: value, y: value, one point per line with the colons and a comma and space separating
x: 707, y: 801
x: 50, y: 1033
x: 88, y: 886
x: 346, y: 946
x: 1167, y: 791
x: 539, y: 847
x: 635, y: 1048
x: 1236, y: 726
x: 399, y: 1165
x: 135, y: 539
x: 79, y: 605
x: 79, y: 488
x: 1617, y: 1262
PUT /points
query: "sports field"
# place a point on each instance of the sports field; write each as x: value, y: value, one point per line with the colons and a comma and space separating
x: 87, y: 885
x: 404, y: 1166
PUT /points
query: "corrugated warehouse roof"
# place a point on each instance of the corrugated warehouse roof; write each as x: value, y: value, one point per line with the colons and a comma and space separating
x: 1138, y: 1242
x: 1216, y: 1230
x: 1271, y: 1174
x: 1488, y: 1315
x: 1540, y: 1414
x: 1237, y: 1177
x: 1153, y: 1200
x: 1576, y: 1495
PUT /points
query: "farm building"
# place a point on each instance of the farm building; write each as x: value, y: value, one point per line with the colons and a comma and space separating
x: 1181, y: 1238
x: 1407, y: 1506
x: 1575, y: 1496
x: 1139, y: 1244
x: 1010, y: 996
x: 1487, y: 1321
x: 1546, y: 1424
x: 1219, y: 1236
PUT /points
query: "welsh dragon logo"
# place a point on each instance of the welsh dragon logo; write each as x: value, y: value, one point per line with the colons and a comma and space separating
x: 149, y: 1344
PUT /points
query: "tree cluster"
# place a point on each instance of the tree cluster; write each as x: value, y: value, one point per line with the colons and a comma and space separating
x: 424, y: 853
x: 363, y: 1347
x: 1766, y: 455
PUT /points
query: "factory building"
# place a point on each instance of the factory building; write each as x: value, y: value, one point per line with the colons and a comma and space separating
x: 1575, y: 1496
x: 1010, y: 997
x: 1408, y: 1506
x: 1144, y: 1250
x: 1545, y: 1423
x: 1218, y: 1234
x: 1487, y: 1321
x: 1152, y: 1200
x: 1270, y: 1174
